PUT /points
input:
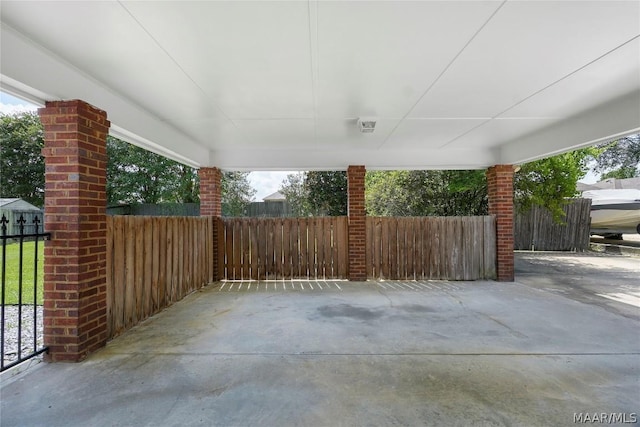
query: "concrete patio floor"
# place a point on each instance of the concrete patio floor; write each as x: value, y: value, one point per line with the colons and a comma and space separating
x: 341, y: 353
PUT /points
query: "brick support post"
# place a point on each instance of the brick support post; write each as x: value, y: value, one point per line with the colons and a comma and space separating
x: 210, y: 191
x: 357, y: 220
x: 500, y: 189
x: 75, y: 263
x: 211, y: 205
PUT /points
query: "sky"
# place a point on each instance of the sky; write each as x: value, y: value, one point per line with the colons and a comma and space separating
x: 265, y: 183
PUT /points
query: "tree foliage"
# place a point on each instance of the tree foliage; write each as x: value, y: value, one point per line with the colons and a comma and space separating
x: 294, y: 190
x: 316, y: 193
x: 21, y: 161
x: 620, y: 159
x: 422, y: 193
x: 135, y: 175
x: 327, y: 192
x: 237, y: 193
x: 549, y: 182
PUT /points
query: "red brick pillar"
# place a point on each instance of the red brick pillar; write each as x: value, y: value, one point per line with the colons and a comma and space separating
x: 75, y: 262
x: 500, y: 189
x: 211, y: 205
x: 210, y: 191
x: 357, y: 220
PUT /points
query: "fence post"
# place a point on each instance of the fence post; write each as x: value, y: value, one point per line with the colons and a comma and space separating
x: 75, y: 288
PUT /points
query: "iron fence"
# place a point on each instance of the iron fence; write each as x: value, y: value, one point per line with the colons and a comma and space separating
x: 21, y: 326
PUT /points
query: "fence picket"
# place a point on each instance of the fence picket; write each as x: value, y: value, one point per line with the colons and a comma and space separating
x: 147, y: 267
x: 145, y: 256
x: 536, y: 229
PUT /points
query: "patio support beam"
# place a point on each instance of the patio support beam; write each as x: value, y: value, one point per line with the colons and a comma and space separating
x: 211, y: 205
x: 75, y: 262
x: 500, y: 189
x: 357, y: 222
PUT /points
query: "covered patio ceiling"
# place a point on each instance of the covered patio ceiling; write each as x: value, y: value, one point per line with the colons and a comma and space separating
x: 280, y: 85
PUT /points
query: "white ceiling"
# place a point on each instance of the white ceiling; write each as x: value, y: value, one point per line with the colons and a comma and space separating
x: 279, y: 85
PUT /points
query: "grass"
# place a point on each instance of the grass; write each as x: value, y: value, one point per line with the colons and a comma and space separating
x: 12, y: 272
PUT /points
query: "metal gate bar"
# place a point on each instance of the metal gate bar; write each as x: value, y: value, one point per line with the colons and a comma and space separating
x: 21, y: 238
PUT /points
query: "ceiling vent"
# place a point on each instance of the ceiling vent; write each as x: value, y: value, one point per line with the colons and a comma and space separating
x: 366, y: 125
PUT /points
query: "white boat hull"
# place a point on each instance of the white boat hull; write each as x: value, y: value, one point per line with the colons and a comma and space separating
x: 614, y: 211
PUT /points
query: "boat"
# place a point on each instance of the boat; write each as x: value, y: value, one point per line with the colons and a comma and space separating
x: 614, y: 212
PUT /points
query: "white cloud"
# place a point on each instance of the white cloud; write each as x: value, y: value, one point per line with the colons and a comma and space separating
x: 266, y: 183
x: 16, y: 108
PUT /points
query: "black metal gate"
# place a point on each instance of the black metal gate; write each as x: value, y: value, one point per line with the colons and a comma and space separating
x: 20, y: 314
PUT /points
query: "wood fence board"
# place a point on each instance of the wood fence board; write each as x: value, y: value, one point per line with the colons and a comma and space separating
x: 377, y: 247
x: 277, y: 247
x: 536, y: 230
x: 183, y: 277
x: 110, y: 276
x: 262, y: 250
x: 294, y: 240
x: 327, y: 244
x: 144, y: 257
x: 160, y: 256
x: 237, y: 249
x: 312, y: 248
x: 303, y: 233
x: 177, y: 260
x: 148, y: 267
x: 342, y: 245
x: 393, y: 247
x: 286, y: 248
x: 193, y: 250
x: 169, y: 261
x: 385, y: 258
x: 369, y: 245
x: 130, y: 297
x: 253, y: 248
x: 319, y: 237
x: 120, y: 274
x: 490, y: 252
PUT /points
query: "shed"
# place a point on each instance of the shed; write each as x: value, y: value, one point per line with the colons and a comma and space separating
x: 13, y: 208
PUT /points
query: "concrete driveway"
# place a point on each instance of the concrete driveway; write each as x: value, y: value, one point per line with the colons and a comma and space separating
x: 340, y: 353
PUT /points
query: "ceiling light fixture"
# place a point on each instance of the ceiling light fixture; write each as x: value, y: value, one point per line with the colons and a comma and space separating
x: 366, y: 125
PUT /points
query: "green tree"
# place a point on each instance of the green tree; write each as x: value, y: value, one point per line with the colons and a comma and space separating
x: 135, y: 175
x: 237, y: 193
x: 21, y: 161
x: 549, y: 182
x: 296, y: 193
x: 420, y: 193
x: 327, y: 192
x: 316, y: 193
x: 620, y: 158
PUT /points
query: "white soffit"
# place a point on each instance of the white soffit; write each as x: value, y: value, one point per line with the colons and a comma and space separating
x: 280, y: 85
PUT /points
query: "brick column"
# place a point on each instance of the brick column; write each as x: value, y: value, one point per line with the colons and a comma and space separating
x: 357, y: 220
x: 500, y: 189
x: 75, y: 262
x: 211, y: 205
x: 210, y: 191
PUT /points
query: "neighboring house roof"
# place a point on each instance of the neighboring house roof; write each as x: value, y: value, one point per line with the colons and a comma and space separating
x: 15, y: 204
x: 612, y: 183
x: 275, y: 197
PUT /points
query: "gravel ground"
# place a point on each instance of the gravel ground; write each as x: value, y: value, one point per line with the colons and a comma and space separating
x: 10, y: 331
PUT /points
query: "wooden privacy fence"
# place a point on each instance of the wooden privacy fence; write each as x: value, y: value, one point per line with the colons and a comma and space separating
x: 283, y: 248
x: 450, y: 248
x: 153, y: 262
x: 535, y: 229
